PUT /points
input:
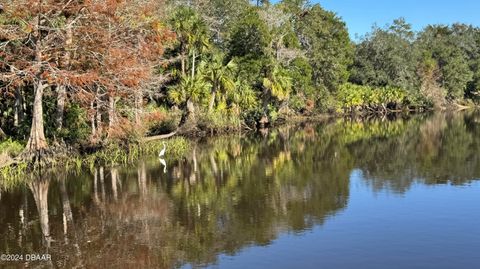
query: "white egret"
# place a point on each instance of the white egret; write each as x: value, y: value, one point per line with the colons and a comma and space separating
x: 162, y: 152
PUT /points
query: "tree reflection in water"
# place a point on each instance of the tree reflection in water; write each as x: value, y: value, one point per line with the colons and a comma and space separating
x: 231, y: 192
x: 39, y: 189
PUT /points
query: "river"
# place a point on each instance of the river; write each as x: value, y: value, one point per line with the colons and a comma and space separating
x: 400, y: 192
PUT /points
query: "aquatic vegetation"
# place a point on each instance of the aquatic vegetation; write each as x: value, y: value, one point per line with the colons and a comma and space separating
x: 177, y: 147
x: 112, y: 153
x: 12, y: 176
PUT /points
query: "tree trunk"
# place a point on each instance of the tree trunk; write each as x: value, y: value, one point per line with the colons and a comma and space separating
x: 92, y: 119
x: 183, y: 63
x: 37, y: 141
x: 188, y: 115
x: 62, y: 89
x: 61, y: 97
x: 99, y: 118
x: 191, y: 109
x: 18, y: 116
x: 138, y: 105
x: 193, y: 64
x: 212, y: 100
x: 111, y: 113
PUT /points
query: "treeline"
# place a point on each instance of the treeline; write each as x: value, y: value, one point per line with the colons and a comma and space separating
x: 97, y: 71
x: 437, y: 66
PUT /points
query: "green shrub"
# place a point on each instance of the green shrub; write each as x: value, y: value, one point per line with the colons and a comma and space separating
x: 272, y: 113
x: 11, y: 148
x: 297, y: 103
x: 351, y: 96
x: 76, y: 126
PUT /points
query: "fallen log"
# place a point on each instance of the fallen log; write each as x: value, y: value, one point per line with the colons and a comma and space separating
x: 158, y: 137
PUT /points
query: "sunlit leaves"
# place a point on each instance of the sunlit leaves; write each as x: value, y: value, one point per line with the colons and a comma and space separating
x: 190, y: 28
x: 196, y: 90
x: 244, y: 96
x: 351, y: 96
x: 278, y: 83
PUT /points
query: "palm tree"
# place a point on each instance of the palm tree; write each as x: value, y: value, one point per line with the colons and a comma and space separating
x: 278, y: 83
x: 199, y: 43
x: 189, y: 91
x: 243, y: 96
x: 220, y: 76
x: 192, y: 34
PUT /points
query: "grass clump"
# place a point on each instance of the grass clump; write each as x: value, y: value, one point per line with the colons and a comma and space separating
x: 11, y: 148
x: 115, y: 153
x: 219, y: 121
x: 12, y: 176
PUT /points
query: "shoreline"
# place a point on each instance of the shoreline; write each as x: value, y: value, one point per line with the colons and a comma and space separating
x: 115, y: 152
x: 81, y: 156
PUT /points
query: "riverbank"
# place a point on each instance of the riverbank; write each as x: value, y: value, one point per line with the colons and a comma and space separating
x: 13, y: 167
x: 178, y: 142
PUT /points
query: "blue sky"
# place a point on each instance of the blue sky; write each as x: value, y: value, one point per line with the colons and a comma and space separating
x: 361, y: 14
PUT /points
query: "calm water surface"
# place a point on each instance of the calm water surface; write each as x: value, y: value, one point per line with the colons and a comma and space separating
x: 396, y: 193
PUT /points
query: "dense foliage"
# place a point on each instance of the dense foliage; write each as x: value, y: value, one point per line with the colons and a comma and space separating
x: 438, y: 65
x: 352, y: 96
x: 96, y: 71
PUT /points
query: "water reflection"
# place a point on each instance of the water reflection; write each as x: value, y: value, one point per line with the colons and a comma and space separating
x: 230, y: 192
x: 39, y: 189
